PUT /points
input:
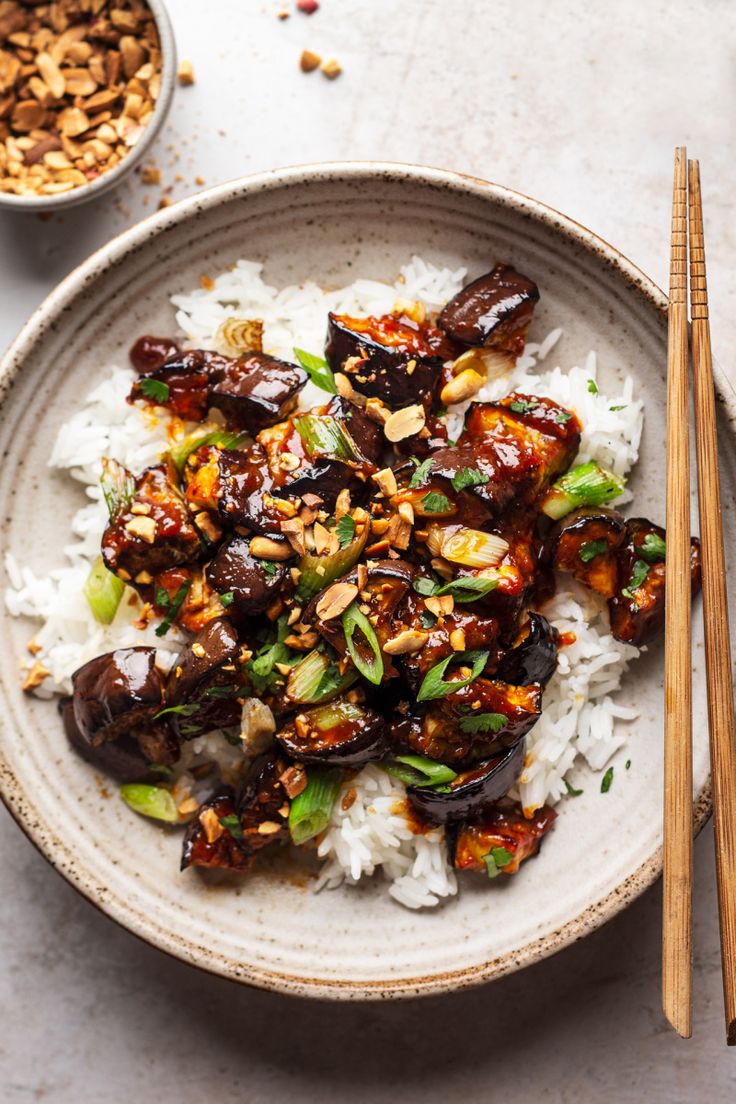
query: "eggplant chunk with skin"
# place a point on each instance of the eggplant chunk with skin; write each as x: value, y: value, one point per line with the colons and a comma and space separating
x: 500, y: 840
x: 122, y: 759
x: 213, y: 839
x: 251, y: 584
x: 584, y: 544
x: 472, y: 791
x: 150, y: 532
x: 493, y: 311
x: 476, y: 722
x: 637, y: 609
x: 116, y: 693
x: 252, y: 391
x: 533, y: 658
x: 339, y: 733
x: 206, y: 682
x: 394, y: 359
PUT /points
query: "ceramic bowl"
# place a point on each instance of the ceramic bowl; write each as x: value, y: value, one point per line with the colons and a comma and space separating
x: 331, y: 223
x: 108, y: 180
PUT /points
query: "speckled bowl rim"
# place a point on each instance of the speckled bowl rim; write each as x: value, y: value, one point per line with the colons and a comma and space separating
x: 34, y: 204
x: 17, y: 801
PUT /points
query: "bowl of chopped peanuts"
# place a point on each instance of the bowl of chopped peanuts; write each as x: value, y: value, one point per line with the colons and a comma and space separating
x: 85, y: 86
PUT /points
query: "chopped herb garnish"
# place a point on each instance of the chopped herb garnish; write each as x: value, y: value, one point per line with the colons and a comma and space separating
x: 653, y: 549
x: 368, y: 660
x: 638, y: 575
x: 421, y: 474
x: 607, y: 780
x: 496, y: 859
x: 270, y: 567
x: 345, y: 530
x: 417, y: 770
x: 162, y: 598
x: 311, y: 809
x: 468, y: 477
x: 435, y: 503
x: 483, y: 722
x: 521, y: 406
x: 233, y: 737
x: 592, y: 387
x: 227, y: 599
x: 563, y: 417
x: 183, y: 710
x: 427, y: 620
x: 627, y: 764
x: 118, y: 487
x: 467, y: 588
x: 571, y: 789
x: 434, y: 684
x: 221, y: 691
x: 173, y: 608
x: 318, y: 370
x: 155, y: 389
x: 622, y: 407
x: 592, y: 549
x: 233, y: 825
x: 426, y: 587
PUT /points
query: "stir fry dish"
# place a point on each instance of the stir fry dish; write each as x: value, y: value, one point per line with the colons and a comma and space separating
x: 349, y: 585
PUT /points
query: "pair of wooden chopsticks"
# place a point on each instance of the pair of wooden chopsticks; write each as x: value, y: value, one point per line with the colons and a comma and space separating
x: 678, y: 794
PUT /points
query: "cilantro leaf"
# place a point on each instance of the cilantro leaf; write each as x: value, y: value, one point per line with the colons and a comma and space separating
x: 496, y: 859
x: 638, y: 575
x: 623, y: 407
x: 521, y: 406
x: 468, y: 477
x: 232, y: 824
x: 434, y: 685
x: 173, y: 608
x: 345, y: 530
x: 435, y: 503
x: 421, y: 474
x: 184, y: 710
x: 154, y: 389
x: 483, y: 722
x: 592, y: 549
x: 592, y: 387
x: 270, y: 567
x: 571, y: 789
x: 227, y: 599
x: 652, y: 548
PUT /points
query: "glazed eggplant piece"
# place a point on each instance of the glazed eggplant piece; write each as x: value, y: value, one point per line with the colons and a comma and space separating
x: 121, y: 759
x: 149, y: 530
x: 214, y: 838
x: 148, y: 353
x: 184, y: 595
x: 116, y: 693
x: 472, y: 791
x: 533, y: 659
x: 339, y: 733
x: 252, y: 391
x: 251, y: 587
x: 585, y: 543
x: 493, y: 311
x: 207, y: 682
x: 485, y: 844
x: 476, y: 722
x: 394, y: 359
x: 637, y: 609
x: 380, y: 588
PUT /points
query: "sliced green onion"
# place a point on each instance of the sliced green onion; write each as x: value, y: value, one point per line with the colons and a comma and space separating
x: 652, y: 549
x: 434, y: 686
x: 314, y: 679
x: 325, y: 435
x: 417, y: 770
x: 173, y: 608
x: 318, y: 370
x: 103, y: 592
x: 317, y: 572
x: 483, y: 722
x: 335, y: 713
x: 311, y: 809
x: 371, y: 667
x: 118, y: 487
x: 473, y: 548
x: 585, y: 485
x: 150, y: 801
x: 592, y: 549
x: 179, y: 454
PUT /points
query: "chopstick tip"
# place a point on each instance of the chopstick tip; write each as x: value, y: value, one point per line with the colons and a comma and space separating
x: 731, y: 1033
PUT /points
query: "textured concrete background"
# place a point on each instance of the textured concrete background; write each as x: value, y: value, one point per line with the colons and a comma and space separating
x: 580, y: 105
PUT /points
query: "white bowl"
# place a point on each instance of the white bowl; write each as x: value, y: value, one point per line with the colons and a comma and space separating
x: 331, y: 223
x: 108, y: 180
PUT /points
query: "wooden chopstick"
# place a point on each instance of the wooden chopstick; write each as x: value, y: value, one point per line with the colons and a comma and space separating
x: 721, y: 721
x: 678, y: 787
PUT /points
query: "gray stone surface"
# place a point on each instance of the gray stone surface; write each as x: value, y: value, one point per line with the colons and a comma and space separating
x: 580, y: 105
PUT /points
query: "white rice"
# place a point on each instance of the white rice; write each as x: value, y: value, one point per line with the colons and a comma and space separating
x: 577, y: 725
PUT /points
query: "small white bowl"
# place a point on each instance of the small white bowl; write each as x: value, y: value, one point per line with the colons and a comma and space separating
x: 108, y: 180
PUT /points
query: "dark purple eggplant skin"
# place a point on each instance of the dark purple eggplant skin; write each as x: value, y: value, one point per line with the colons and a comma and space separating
x: 472, y: 791
x: 534, y: 658
x: 350, y: 744
x: 569, y: 537
x: 234, y: 571
x: 193, y: 679
x: 245, y: 483
x: 326, y: 476
x: 257, y: 390
x: 121, y: 759
x: 116, y: 693
x: 384, y: 373
x: 494, y: 311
